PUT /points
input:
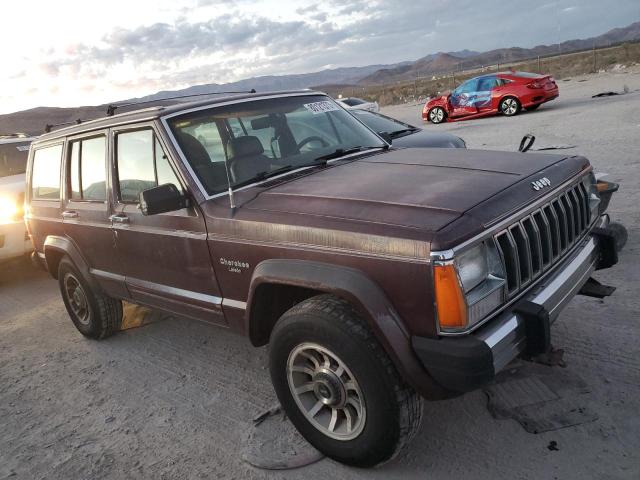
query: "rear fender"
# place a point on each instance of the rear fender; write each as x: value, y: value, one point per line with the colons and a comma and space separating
x: 55, y: 247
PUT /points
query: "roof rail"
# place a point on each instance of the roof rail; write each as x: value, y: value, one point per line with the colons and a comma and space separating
x: 111, y: 108
x: 49, y: 126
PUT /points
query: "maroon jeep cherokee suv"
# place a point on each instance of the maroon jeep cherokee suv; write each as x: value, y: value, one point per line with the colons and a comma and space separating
x: 378, y: 276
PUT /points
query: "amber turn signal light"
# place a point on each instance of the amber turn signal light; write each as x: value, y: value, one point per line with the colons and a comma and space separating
x: 450, y: 304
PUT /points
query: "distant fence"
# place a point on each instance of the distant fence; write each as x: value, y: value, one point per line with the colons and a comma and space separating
x: 563, y: 65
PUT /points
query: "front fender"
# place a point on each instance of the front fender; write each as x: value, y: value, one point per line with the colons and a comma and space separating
x: 353, y: 286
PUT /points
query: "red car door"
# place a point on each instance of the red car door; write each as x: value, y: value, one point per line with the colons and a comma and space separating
x: 462, y: 99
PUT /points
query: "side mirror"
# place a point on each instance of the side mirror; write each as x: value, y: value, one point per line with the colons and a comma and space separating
x: 161, y: 199
x: 386, y: 137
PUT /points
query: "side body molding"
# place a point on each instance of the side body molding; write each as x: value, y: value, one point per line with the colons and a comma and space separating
x: 355, y: 287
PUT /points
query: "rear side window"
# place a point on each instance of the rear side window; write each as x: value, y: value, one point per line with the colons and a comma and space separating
x: 142, y: 164
x: 45, y: 179
x: 87, y: 174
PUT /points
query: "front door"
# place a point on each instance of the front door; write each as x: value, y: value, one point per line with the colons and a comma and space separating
x: 166, y: 259
x: 86, y: 210
x: 462, y: 99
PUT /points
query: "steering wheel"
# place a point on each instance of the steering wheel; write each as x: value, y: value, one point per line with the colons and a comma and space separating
x: 312, y: 138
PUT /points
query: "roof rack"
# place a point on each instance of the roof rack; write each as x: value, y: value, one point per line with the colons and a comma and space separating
x: 111, y: 108
x: 49, y: 126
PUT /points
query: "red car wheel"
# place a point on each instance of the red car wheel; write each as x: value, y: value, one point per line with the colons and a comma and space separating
x: 437, y: 115
x: 510, y: 106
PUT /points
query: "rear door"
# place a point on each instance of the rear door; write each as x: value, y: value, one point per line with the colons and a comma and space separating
x: 87, y: 209
x: 165, y: 257
x: 483, y: 96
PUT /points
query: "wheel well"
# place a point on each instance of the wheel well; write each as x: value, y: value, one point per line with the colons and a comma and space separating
x: 270, y: 301
x: 53, y: 258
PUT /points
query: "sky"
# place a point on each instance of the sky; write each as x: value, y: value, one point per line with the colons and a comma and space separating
x: 69, y: 53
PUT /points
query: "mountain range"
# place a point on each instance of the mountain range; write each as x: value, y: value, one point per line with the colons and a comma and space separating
x: 33, y: 120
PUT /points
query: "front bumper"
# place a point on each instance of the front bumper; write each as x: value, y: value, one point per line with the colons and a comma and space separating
x: 464, y: 363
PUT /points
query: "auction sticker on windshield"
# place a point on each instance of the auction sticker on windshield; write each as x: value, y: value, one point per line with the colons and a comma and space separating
x: 321, y: 107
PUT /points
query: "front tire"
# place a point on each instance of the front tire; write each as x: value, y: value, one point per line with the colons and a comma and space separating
x: 510, y: 106
x: 338, y: 386
x: 94, y: 314
x: 437, y: 115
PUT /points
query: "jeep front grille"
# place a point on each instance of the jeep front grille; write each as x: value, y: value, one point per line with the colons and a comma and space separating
x: 530, y: 246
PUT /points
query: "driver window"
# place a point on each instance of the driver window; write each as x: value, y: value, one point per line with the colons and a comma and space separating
x: 141, y: 164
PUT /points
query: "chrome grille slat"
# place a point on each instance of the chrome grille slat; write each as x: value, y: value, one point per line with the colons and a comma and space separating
x: 535, y: 245
x: 523, y: 251
x: 536, y: 242
x: 585, y: 196
x: 573, y: 197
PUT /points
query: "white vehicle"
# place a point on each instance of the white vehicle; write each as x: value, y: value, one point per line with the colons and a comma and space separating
x: 14, y: 240
x: 353, y: 103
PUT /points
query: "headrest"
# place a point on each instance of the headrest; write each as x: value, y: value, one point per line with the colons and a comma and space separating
x: 244, y: 146
x: 193, y: 149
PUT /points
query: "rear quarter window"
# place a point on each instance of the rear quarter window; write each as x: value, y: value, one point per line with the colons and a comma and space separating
x: 45, y: 177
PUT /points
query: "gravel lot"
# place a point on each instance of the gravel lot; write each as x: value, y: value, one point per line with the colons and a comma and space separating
x: 176, y: 399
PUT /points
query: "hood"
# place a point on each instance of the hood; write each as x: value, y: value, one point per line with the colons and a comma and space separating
x: 421, y: 190
x: 424, y: 139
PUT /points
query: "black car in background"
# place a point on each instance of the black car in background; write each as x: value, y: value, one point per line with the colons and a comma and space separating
x: 404, y: 135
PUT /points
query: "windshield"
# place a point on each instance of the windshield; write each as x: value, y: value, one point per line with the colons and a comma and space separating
x: 263, y: 137
x: 380, y: 123
x: 13, y: 158
x: 352, y: 102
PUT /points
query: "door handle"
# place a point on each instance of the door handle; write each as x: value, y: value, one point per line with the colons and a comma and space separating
x: 69, y: 214
x: 119, y: 218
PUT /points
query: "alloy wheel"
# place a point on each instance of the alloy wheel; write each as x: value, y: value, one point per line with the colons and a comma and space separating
x: 436, y: 115
x: 326, y: 392
x: 509, y: 106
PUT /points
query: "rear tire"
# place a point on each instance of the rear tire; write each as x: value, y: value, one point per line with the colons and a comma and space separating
x: 324, y: 359
x: 437, y: 115
x: 510, y: 106
x: 94, y: 314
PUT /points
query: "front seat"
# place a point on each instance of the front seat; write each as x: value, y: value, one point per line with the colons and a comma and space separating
x: 212, y: 174
x: 246, y: 158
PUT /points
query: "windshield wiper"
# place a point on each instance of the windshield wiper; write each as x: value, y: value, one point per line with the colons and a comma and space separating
x: 264, y: 175
x: 340, y: 152
x: 404, y: 131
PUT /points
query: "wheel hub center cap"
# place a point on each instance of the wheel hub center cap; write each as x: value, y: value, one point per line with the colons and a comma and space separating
x: 329, y: 388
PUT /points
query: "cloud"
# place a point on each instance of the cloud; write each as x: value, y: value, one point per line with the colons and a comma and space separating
x: 218, y: 41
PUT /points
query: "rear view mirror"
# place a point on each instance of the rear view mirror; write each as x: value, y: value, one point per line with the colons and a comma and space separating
x: 161, y: 199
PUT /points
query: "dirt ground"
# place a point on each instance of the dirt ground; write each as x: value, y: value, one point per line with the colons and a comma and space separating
x: 175, y: 399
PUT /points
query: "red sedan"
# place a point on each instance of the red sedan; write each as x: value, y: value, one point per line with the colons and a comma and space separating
x: 505, y: 93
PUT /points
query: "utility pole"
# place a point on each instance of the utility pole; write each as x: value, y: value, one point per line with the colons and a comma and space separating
x: 539, y: 69
x: 595, y: 65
